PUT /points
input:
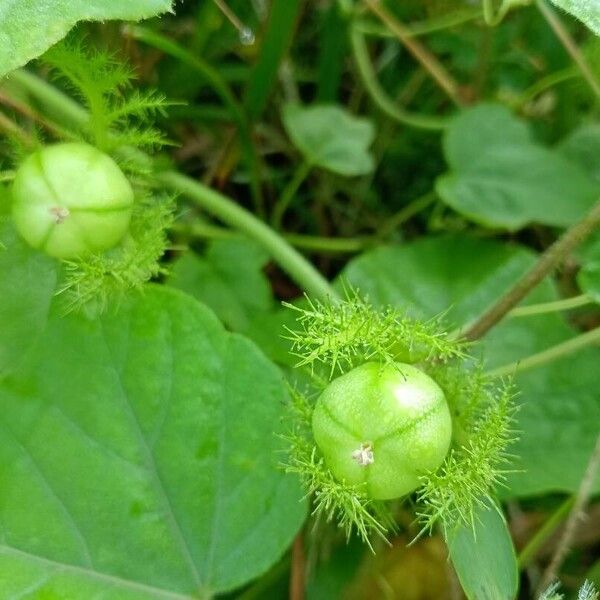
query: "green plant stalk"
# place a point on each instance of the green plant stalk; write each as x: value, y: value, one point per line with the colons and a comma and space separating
x: 222, y: 207
x: 544, y: 532
x: 550, y: 307
x: 548, y: 261
x: 379, y: 96
x: 551, y: 354
x: 429, y: 62
x: 494, y: 17
x: 289, y: 192
x: 70, y: 112
x: 10, y: 128
x: 295, y: 265
x: 425, y: 27
x: 319, y: 244
x: 570, y: 46
x: 545, y: 83
x: 407, y: 212
x: 220, y: 86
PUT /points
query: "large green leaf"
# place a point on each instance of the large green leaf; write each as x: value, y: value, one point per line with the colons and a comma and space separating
x: 589, y: 279
x: 27, y: 285
x: 139, y: 458
x: 229, y: 279
x: 587, y: 11
x: 484, y: 558
x: 560, y: 412
x: 501, y: 178
x: 331, y: 138
x: 583, y: 147
x: 29, y: 27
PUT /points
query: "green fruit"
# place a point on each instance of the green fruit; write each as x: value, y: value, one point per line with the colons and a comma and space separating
x: 383, y: 426
x: 71, y: 199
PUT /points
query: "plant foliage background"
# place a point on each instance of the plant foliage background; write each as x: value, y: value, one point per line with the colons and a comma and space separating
x: 417, y: 152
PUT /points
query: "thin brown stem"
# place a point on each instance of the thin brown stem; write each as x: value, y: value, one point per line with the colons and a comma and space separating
x: 433, y: 66
x: 547, y: 262
x: 26, y: 111
x: 298, y: 571
x: 10, y: 128
x: 569, y: 44
x: 582, y: 498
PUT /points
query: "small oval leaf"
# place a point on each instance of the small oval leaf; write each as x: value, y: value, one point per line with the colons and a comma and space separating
x: 331, y: 138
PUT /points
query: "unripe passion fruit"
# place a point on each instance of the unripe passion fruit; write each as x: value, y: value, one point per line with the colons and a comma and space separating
x: 71, y: 199
x: 383, y: 425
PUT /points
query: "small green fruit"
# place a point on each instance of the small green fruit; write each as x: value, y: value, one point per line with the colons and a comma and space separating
x: 383, y: 425
x: 71, y: 199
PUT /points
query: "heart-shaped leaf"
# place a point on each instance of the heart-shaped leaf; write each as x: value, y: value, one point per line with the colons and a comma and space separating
x: 139, y: 458
x: 331, y: 138
x: 582, y: 146
x: 500, y: 178
x: 29, y: 27
x: 229, y: 279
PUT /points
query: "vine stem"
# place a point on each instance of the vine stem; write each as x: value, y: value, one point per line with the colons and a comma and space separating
x: 494, y: 17
x: 543, y: 84
x: 407, y: 212
x: 367, y: 74
x: 222, y: 207
x: 289, y: 192
x: 327, y: 245
x: 549, y: 355
x: 425, y: 27
x: 418, y: 50
x: 550, y: 307
x: 543, y: 533
x: 569, y: 44
x: 582, y: 498
x: 11, y: 128
x: 545, y: 264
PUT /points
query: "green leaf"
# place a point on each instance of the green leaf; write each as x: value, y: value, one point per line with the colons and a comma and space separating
x: 500, y: 178
x: 140, y: 456
x: 331, y: 138
x: 484, y: 558
x: 559, y: 409
x: 460, y: 275
x: 27, y: 285
x: 229, y: 279
x: 582, y: 146
x: 588, y: 277
x: 585, y: 10
x: 29, y: 27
